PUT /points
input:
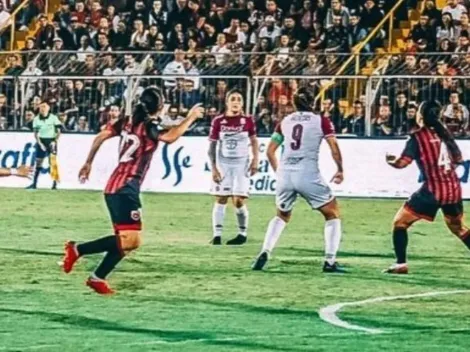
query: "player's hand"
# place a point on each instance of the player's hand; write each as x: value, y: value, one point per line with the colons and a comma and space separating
x: 390, y: 159
x: 24, y: 171
x: 338, y: 178
x: 253, y: 167
x: 196, y: 112
x: 84, y: 173
x: 216, y: 176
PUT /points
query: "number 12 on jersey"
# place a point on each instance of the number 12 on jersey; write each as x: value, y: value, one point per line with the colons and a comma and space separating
x: 131, y: 142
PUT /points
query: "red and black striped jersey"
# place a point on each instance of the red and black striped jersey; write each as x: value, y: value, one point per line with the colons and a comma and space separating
x: 436, y: 165
x: 136, y: 148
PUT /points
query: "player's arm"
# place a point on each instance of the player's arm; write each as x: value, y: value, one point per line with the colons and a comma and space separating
x: 176, y: 132
x: 214, y: 136
x: 58, y: 128
x: 101, y: 137
x: 36, y: 133
x: 329, y: 134
x: 22, y: 171
x: 276, y: 140
x: 254, y: 147
x: 407, y: 156
x: 337, y: 157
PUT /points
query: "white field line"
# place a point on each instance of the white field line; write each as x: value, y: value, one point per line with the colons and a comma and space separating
x: 328, y: 314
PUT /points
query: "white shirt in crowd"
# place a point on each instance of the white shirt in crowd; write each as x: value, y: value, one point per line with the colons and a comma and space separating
x: 219, y: 53
x: 173, y: 68
x: 241, y: 37
x: 273, y: 35
x: 456, y: 12
x: 82, y: 53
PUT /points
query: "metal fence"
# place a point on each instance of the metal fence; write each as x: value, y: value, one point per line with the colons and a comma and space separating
x: 357, y: 105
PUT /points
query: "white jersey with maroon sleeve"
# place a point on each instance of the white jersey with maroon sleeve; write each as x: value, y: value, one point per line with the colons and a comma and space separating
x: 303, y: 133
x: 233, y: 136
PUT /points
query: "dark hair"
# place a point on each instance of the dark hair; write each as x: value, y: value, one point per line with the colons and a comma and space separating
x: 150, y: 102
x: 431, y: 111
x: 304, y: 99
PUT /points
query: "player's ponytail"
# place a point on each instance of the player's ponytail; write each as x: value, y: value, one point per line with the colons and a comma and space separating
x: 431, y: 112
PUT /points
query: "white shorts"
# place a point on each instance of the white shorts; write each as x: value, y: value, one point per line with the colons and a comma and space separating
x: 235, y: 181
x: 313, y: 189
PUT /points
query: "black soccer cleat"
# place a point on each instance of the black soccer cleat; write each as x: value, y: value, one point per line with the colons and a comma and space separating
x: 216, y: 241
x: 237, y: 241
x: 54, y: 185
x: 261, y: 261
x: 335, y: 268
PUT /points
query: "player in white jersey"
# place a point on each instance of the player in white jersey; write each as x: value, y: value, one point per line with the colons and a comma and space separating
x: 230, y: 138
x: 298, y: 174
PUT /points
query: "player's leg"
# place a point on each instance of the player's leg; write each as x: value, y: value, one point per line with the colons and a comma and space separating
x: 285, y: 199
x: 453, y: 215
x: 222, y: 192
x: 422, y: 205
x: 39, y: 159
x: 241, y: 188
x: 332, y: 234
x: 218, y: 215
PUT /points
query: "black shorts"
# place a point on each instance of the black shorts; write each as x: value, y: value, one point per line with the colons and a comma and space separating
x: 51, y: 148
x: 125, y: 211
x: 424, y: 205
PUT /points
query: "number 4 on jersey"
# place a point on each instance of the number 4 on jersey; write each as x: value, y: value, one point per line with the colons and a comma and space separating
x: 444, y: 159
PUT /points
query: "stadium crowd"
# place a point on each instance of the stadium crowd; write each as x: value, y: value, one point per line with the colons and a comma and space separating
x: 194, y: 39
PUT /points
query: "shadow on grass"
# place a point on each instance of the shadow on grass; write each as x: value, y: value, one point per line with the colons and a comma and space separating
x: 170, y: 336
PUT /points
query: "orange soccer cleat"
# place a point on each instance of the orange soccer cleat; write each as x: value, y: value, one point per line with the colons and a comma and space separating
x: 99, y: 286
x: 70, y: 256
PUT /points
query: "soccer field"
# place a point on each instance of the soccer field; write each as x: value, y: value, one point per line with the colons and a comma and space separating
x: 177, y: 293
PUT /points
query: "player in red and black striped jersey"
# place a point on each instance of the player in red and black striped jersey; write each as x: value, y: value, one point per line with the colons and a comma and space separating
x: 140, y: 135
x: 436, y: 153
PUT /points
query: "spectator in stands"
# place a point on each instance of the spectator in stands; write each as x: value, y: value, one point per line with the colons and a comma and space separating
x: 446, y: 46
x: 432, y: 12
x: 85, y: 48
x: 77, y: 32
x: 463, y: 43
x: 28, y: 121
x: 455, y: 105
x: 330, y: 110
x: 265, y: 124
x: 90, y: 68
x: 82, y: 125
x: 411, y: 113
x: 464, y: 24
x: 132, y: 67
x: 121, y: 37
x: 314, y: 66
x: 357, y: 34
x: 355, y: 123
x: 270, y: 29
x: 220, y: 50
x: 297, y: 34
x: 175, y: 68
x: 371, y: 15
x: 180, y: 14
x: 63, y: 16
x: 112, y: 17
x: 381, y: 125
x: 447, y: 29
x: 400, y: 109
x: 32, y: 86
x: 45, y: 33
x: 425, y: 67
x: 96, y: 13
x: 410, y: 65
x: 13, y: 66
x: 158, y: 16
x: 455, y: 10
x: 319, y: 16
x: 234, y: 33
x: 140, y: 37
x: 424, y: 30
x: 80, y: 12
x: 217, y: 98
x: 337, y: 37
x: 337, y: 10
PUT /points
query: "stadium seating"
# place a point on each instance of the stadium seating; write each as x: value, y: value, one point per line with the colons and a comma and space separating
x: 217, y: 45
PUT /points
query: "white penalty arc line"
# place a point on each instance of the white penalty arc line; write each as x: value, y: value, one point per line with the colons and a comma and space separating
x: 328, y: 314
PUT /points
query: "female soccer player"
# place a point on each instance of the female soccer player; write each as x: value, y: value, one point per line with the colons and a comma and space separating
x: 232, y: 132
x: 437, y: 155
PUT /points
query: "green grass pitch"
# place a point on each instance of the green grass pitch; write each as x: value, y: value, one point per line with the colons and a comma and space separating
x: 177, y: 293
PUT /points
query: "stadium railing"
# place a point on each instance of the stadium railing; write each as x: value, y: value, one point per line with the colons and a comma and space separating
x: 75, y: 96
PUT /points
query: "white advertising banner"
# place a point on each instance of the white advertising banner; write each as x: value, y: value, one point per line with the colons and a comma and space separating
x: 183, y: 166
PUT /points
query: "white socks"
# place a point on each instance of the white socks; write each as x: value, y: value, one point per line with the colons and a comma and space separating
x: 275, y: 228
x: 218, y: 214
x: 332, y: 239
x: 242, y: 218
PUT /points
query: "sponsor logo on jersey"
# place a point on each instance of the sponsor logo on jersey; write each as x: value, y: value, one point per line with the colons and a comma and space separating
x: 232, y: 128
x: 174, y: 163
